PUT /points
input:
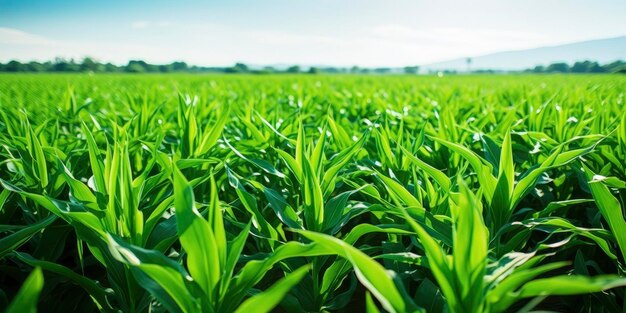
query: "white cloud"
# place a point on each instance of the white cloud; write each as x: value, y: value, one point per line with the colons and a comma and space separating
x: 10, y: 36
x: 23, y: 46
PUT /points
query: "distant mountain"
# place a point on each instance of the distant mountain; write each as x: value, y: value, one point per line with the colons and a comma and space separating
x: 600, y: 50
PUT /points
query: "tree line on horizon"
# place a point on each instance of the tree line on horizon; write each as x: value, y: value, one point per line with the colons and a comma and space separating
x: 581, y: 67
x: 60, y: 65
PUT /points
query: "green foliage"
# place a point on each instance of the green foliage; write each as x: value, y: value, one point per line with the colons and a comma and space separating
x: 26, y: 299
x: 312, y: 193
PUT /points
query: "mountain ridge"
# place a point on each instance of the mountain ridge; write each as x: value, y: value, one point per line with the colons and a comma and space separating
x: 603, y: 50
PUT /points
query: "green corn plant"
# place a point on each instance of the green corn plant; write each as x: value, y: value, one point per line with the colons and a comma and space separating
x: 13, y: 241
x: 99, y: 294
x: 28, y: 156
x: 316, y: 212
x: 327, y: 280
x: 315, y: 175
x: 196, y: 141
x: 609, y: 207
x: 112, y: 206
x: 317, y: 178
x: 503, y: 192
x: 209, y: 282
x: 468, y: 285
x: 313, y: 193
x: 371, y: 274
x: 403, y: 202
x: 26, y: 299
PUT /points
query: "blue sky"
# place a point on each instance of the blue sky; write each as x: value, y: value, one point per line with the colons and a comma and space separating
x: 322, y: 32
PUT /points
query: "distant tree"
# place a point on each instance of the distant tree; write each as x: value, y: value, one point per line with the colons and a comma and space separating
x: 62, y: 65
x: 165, y: 68
x: 411, y: 69
x: 329, y: 70
x: 615, y: 67
x: 35, y: 67
x: 242, y: 67
x: 594, y: 67
x: 580, y: 67
x: 59, y: 65
x: 136, y: 66
x: 539, y: 69
x: 14, y: 66
x: 89, y: 65
x: 468, y: 61
x: 313, y: 70
x: 382, y: 70
x: 620, y: 70
x: 587, y: 67
x: 179, y: 66
x: 238, y: 68
x: 109, y: 67
x: 484, y: 71
x: 140, y: 66
x: 151, y: 68
x: 293, y: 69
x: 560, y: 67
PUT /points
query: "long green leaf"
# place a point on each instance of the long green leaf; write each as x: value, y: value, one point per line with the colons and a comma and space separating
x: 268, y: 299
x: 26, y: 299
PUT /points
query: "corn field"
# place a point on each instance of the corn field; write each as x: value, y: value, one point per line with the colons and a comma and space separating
x: 312, y: 193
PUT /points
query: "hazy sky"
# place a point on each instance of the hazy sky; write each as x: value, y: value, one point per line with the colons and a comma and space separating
x: 320, y: 32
